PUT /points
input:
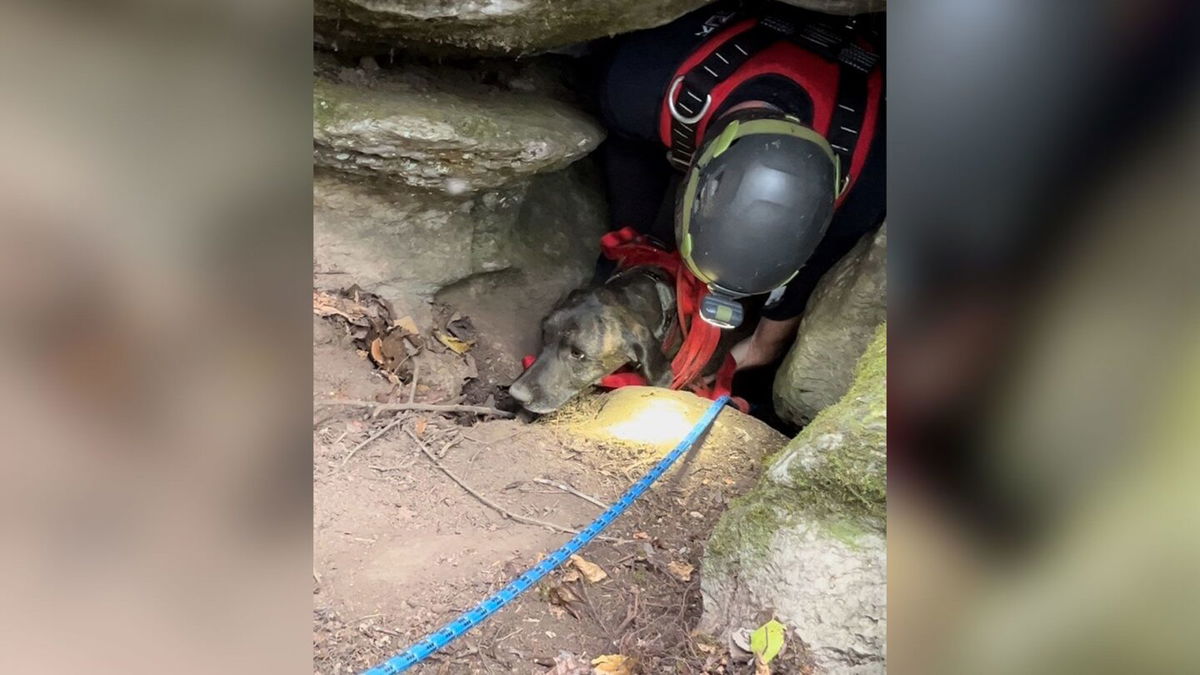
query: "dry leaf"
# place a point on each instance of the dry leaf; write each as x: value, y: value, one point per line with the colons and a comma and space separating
x: 641, y: 536
x: 357, y: 307
x: 571, y: 576
x: 330, y: 304
x: 461, y: 329
x: 453, y: 343
x: 613, y: 664
x: 590, y: 570
x: 407, y: 324
x: 377, y: 351
x: 567, y: 663
x: 561, y: 596
x: 410, y: 348
x: 761, y: 667
x: 680, y: 570
x: 419, y: 426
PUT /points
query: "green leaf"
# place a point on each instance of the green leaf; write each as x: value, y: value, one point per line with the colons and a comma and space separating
x: 767, y: 641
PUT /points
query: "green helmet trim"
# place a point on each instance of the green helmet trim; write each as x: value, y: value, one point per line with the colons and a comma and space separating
x: 738, y: 128
x: 734, y: 130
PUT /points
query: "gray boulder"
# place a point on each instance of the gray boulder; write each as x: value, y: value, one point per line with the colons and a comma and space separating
x: 845, y: 7
x: 484, y: 27
x: 848, y: 304
x: 808, y: 544
x: 406, y: 244
x: 440, y: 129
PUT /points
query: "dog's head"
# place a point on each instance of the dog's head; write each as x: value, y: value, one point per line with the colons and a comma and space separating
x: 589, y: 335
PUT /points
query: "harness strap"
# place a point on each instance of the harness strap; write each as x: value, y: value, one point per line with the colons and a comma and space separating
x: 689, y: 98
x: 699, y: 339
x: 855, y: 63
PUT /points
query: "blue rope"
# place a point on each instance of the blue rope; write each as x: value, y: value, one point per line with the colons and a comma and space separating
x: 476, y: 615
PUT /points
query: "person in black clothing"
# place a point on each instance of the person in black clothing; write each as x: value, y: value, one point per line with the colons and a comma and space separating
x: 753, y: 140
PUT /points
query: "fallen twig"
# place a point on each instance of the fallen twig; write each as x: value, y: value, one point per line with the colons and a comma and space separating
x: 592, y: 610
x: 428, y: 407
x: 571, y: 490
x: 412, y: 393
x: 499, y: 640
x: 630, y: 614
x: 449, y: 444
x: 372, y: 437
x: 487, y: 502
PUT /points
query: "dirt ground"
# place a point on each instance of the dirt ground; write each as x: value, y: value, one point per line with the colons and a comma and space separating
x: 399, y: 548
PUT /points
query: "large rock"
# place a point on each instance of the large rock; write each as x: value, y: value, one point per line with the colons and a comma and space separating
x: 848, y: 304
x: 443, y: 129
x: 407, y: 244
x: 846, y: 7
x: 431, y: 175
x: 809, y: 542
x: 487, y: 27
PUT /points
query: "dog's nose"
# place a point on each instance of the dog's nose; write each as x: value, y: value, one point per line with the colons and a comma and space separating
x: 520, y: 391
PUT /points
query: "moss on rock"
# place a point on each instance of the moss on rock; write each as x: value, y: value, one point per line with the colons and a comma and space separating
x: 808, y: 543
x: 834, y: 472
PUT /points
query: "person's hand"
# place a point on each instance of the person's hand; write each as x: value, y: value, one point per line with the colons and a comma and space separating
x: 747, y: 354
x: 770, y: 340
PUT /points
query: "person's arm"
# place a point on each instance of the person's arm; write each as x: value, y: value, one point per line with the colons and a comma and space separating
x: 770, y: 339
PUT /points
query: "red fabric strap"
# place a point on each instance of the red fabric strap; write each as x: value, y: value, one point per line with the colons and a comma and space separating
x: 700, y: 339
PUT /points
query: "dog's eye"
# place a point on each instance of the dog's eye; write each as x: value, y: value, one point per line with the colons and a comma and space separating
x: 577, y: 354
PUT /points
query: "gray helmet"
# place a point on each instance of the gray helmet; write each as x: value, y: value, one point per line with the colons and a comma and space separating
x: 756, y: 203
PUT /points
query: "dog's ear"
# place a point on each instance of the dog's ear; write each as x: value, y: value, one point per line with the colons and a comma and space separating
x: 645, y: 350
x: 570, y: 298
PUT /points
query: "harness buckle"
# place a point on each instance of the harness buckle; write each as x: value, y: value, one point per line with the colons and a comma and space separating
x: 680, y: 117
x: 678, y: 162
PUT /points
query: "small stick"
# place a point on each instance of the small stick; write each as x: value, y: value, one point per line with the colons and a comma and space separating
x: 484, y: 500
x: 571, y: 490
x: 630, y: 616
x: 499, y: 640
x: 385, y: 469
x: 627, y: 558
x: 592, y: 610
x: 449, y: 444
x: 412, y: 393
x: 372, y: 437
x: 428, y: 407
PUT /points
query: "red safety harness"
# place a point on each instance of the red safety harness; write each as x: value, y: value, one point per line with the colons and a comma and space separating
x: 699, y: 339
x: 830, y: 58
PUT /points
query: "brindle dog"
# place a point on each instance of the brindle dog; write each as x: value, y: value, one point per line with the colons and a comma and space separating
x: 593, y: 332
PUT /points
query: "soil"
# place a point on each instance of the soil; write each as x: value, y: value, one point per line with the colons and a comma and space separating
x: 399, y: 548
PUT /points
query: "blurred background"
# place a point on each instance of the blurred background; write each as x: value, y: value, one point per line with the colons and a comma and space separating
x: 154, y: 366
x: 155, y: 249
x: 1045, y: 337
